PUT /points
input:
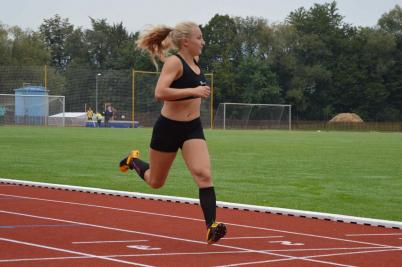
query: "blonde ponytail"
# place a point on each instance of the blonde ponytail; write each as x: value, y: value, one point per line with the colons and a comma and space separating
x: 155, y: 41
x: 159, y: 39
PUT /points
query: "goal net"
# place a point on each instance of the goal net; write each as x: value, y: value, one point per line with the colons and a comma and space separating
x: 129, y: 92
x: 38, y: 110
x: 253, y: 116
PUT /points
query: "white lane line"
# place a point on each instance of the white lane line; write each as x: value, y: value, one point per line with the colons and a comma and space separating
x: 252, y: 237
x: 373, y: 234
x: 317, y: 256
x: 128, y: 255
x: 47, y: 259
x: 163, y: 236
x: 183, y: 254
x: 73, y: 252
x: 324, y: 249
x: 221, y: 204
x: 193, y: 219
x: 104, y: 207
x: 108, y: 241
x: 353, y: 252
x: 309, y: 235
x: 286, y: 257
x: 278, y: 260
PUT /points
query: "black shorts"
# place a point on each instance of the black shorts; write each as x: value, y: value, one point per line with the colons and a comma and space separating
x: 169, y: 135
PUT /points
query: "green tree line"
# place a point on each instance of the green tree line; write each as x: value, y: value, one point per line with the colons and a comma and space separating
x: 313, y: 60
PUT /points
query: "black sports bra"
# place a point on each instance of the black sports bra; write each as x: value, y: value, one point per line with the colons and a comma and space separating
x: 189, y: 79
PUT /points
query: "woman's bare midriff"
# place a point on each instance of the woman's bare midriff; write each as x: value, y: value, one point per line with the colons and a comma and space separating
x: 183, y: 110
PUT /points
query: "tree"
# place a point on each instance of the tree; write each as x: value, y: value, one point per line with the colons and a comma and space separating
x: 55, y: 33
x: 259, y: 85
x: 27, y: 48
x: 5, y: 46
x: 106, y: 43
x: 255, y: 37
x: 76, y: 48
x: 321, y: 38
x: 221, y: 55
x: 376, y: 53
x: 221, y: 42
x: 391, y: 23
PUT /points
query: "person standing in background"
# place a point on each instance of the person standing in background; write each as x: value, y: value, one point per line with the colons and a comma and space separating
x: 90, y: 114
x: 108, y: 115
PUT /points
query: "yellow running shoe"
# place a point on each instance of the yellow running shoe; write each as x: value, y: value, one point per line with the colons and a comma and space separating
x: 215, y: 232
x: 125, y: 164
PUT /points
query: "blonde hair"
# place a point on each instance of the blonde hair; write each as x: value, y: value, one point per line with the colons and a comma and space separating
x: 159, y: 39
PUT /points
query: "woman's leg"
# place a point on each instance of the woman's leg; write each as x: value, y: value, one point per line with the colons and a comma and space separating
x: 153, y: 173
x: 159, y: 163
x: 196, y: 156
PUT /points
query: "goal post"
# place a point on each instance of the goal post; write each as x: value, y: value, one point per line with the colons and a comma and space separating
x: 253, y: 116
x: 38, y: 110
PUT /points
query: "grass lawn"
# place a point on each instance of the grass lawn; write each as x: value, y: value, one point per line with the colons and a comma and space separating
x: 350, y: 173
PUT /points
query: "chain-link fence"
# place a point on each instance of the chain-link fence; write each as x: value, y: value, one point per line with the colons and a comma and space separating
x: 129, y: 92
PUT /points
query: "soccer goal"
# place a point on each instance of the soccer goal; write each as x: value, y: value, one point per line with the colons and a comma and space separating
x: 253, y: 116
x: 38, y: 110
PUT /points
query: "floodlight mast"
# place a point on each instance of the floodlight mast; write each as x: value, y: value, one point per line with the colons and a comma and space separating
x: 96, y: 91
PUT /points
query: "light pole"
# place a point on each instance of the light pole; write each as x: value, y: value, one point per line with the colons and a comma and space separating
x: 96, y: 91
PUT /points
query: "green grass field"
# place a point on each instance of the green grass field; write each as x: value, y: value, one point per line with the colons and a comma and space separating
x: 350, y: 173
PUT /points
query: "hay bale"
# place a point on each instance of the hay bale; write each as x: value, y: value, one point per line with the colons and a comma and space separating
x: 346, y: 118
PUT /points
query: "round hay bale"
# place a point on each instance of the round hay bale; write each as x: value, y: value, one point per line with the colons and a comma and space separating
x: 346, y: 117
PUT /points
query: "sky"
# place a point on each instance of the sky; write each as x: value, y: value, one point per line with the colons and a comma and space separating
x: 137, y: 15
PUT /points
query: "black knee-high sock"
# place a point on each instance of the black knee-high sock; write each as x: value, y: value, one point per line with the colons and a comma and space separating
x: 208, y: 204
x: 140, y: 167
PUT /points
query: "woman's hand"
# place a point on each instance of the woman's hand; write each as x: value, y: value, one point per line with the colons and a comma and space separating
x: 202, y: 91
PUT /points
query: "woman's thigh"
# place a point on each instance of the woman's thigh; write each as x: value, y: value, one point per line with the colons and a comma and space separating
x: 196, y: 156
x: 160, y: 164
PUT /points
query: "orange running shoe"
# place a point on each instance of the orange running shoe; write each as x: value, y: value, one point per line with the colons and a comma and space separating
x: 215, y: 232
x: 125, y: 164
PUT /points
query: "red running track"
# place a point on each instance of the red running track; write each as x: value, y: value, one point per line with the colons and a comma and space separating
x: 50, y: 227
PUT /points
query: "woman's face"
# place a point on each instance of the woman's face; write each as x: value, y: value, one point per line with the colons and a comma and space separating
x: 195, y: 42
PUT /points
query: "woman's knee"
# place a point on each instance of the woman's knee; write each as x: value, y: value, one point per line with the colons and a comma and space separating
x: 156, y: 182
x: 202, y: 175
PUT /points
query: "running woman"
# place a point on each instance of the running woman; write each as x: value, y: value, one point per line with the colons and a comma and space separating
x: 181, y: 86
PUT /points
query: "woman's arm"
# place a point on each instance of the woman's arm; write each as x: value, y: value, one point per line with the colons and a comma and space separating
x: 172, y: 70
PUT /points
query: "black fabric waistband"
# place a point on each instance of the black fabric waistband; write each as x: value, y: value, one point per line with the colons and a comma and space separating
x: 179, y: 122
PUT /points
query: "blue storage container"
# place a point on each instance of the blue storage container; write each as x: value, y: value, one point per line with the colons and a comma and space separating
x: 31, y: 105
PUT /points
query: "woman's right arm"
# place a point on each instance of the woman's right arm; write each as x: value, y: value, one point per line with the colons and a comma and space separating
x: 172, y: 70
